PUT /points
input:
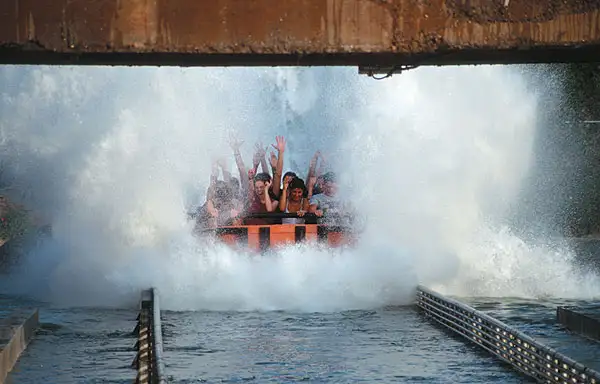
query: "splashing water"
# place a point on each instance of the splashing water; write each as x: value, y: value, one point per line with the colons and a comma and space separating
x: 434, y: 158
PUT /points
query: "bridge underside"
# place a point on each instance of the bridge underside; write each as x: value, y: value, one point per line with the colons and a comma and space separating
x: 367, y: 33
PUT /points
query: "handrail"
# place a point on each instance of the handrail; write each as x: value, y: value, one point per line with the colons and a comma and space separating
x: 322, y: 227
x: 310, y: 219
x: 157, y: 345
x: 149, y: 358
x: 287, y: 215
x: 526, y: 355
x: 278, y: 215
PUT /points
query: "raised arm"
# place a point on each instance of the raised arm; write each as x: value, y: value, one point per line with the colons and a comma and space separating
x: 214, y: 174
x: 269, y: 204
x: 222, y: 163
x: 210, y: 193
x: 250, y: 186
x: 322, y: 165
x: 260, y: 155
x: 235, y: 145
x: 283, y: 197
x: 256, y: 159
x: 312, y: 181
x: 280, y: 147
x: 313, y: 165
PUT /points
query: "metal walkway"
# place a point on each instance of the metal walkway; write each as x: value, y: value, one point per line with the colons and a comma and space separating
x: 524, y: 354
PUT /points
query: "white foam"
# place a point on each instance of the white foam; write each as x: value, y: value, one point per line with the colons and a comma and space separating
x: 115, y: 156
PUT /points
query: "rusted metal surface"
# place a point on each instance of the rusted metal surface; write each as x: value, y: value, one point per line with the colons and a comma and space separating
x: 298, y: 32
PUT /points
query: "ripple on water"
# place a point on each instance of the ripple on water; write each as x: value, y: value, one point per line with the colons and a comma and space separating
x: 387, y: 345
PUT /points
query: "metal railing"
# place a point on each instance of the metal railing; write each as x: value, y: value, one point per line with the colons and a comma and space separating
x: 511, y: 346
x: 149, y: 358
x: 309, y: 218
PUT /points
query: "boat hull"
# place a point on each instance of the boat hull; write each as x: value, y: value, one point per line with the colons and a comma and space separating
x: 261, y: 238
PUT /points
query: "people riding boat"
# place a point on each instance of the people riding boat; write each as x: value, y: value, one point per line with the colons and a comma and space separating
x: 261, y: 193
x: 231, y: 204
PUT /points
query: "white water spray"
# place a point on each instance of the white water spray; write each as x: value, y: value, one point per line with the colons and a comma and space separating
x: 115, y: 156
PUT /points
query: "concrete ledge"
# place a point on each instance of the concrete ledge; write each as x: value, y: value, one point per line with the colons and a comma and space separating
x: 579, y: 322
x: 297, y: 32
x: 15, y: 333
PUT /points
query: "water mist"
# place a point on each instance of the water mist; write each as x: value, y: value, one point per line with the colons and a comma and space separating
x: 114, y: 157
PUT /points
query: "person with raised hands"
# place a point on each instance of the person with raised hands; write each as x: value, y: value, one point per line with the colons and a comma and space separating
x: 292, y: 200
x: 277, y: 165
x: 261, y: 201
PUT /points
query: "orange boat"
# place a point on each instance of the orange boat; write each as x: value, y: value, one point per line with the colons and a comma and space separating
x: 262, y: 237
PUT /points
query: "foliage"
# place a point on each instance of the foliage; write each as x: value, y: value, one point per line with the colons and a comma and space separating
x: 14, y: 222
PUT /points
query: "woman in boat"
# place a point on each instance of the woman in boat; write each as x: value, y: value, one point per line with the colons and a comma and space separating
x: 260, y: 201
x: 293, y: 201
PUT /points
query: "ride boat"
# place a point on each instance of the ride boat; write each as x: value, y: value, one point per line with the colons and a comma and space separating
x: 262, y: 237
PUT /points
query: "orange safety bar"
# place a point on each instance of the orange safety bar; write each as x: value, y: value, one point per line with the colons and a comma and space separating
x: 262, y: 237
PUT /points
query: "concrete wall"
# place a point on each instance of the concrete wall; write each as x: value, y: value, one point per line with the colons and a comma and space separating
x: 298, y: 32
x: 16, y: 332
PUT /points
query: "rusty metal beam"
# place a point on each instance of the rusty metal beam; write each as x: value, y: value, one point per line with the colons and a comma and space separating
x: 298, y: 32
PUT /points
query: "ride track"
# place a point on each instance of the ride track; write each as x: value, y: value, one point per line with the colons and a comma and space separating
x: 524, y: 354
